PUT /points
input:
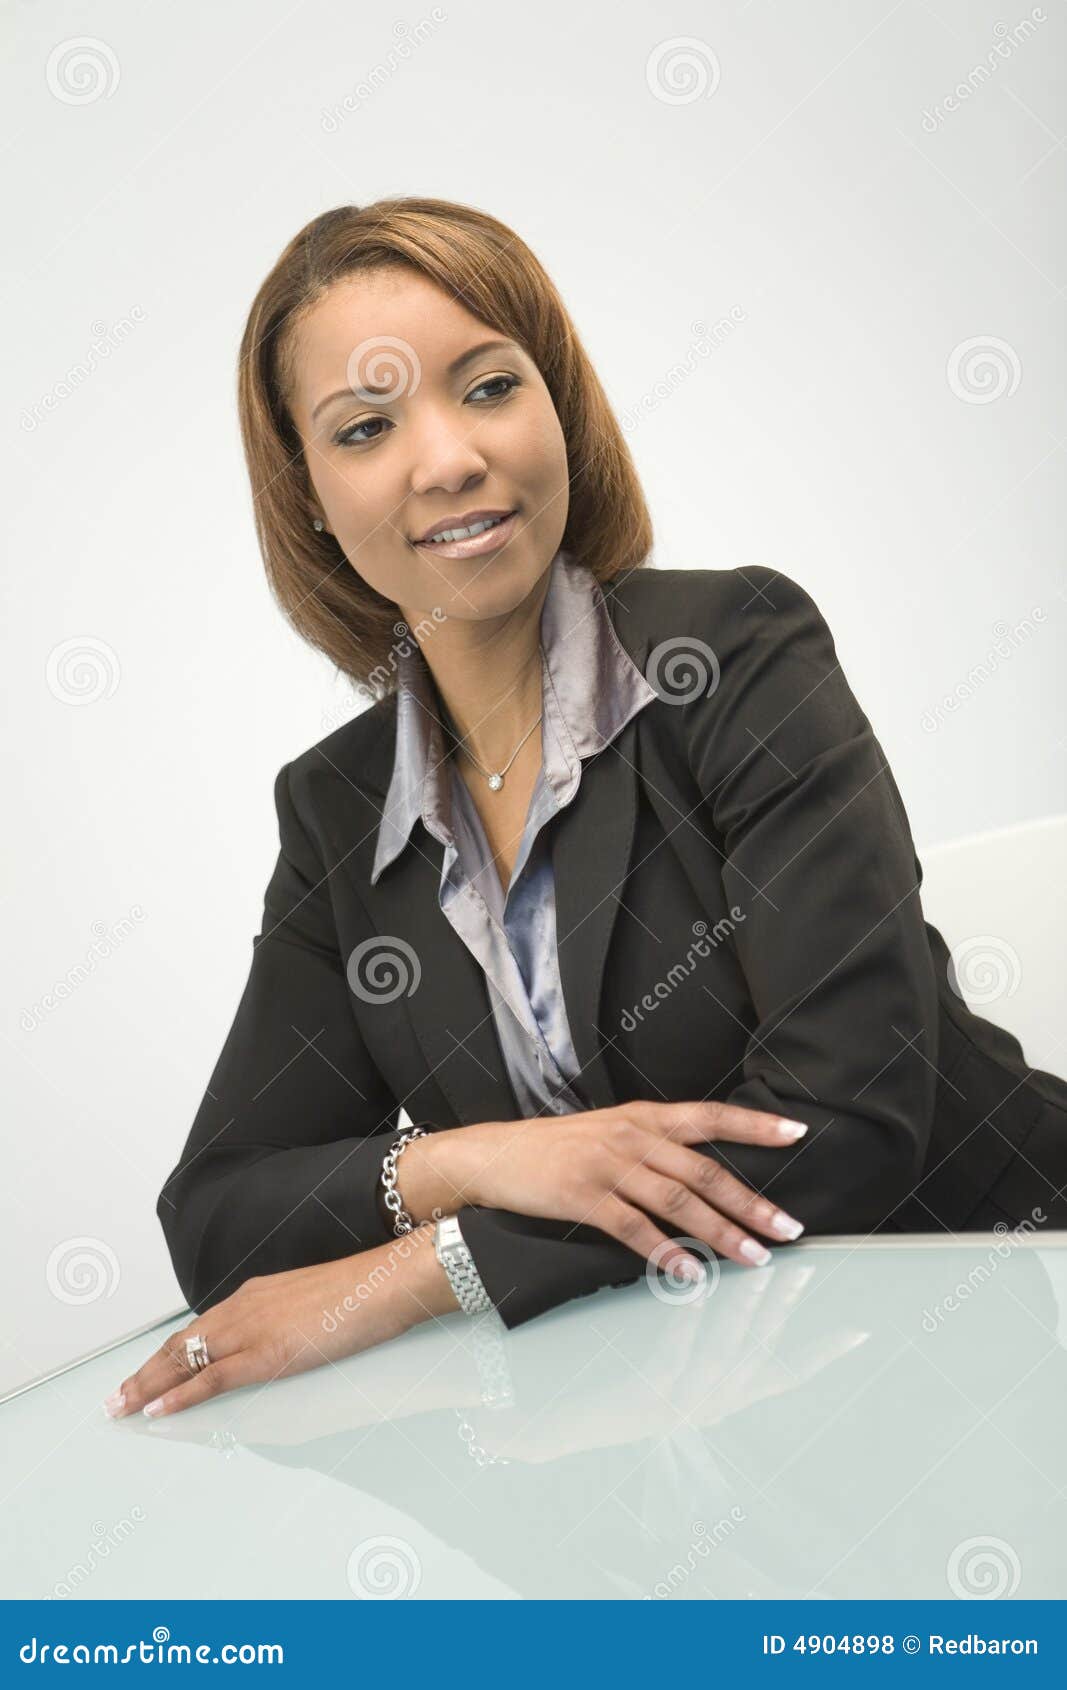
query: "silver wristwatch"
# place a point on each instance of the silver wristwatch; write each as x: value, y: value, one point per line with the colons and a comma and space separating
x: 458, y: 1263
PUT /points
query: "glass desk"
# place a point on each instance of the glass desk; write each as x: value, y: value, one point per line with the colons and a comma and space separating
x: 865, y: 1418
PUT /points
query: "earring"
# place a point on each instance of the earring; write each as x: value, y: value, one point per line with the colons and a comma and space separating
x: 318, y: 525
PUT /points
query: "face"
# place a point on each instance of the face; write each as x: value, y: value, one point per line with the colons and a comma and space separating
x: 407, y: 419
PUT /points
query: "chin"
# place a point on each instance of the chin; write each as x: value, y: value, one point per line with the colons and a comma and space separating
x: 487, y: 586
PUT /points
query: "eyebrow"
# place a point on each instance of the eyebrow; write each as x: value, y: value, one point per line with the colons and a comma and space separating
x: 454, y: 368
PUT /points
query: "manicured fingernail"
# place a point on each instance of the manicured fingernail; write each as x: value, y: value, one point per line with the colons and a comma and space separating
x: 686, y: 1268
x: 792, y: 1129
x: 754, y: 1252
x: 113, y: 1403
x: 784, y: 1226
x: 154, y: 1407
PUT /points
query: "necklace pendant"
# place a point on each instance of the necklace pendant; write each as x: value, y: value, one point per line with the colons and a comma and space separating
x: 495, y: 782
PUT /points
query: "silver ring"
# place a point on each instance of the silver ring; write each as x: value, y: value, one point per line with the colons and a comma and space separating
x: 196, y: 1353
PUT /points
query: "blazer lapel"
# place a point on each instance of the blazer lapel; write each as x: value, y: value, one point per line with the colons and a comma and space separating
x: 450, y: 1011
x: 592, y: 846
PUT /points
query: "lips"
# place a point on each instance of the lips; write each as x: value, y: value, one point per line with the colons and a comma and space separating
x: 467, y: 520
x: 490, y: 540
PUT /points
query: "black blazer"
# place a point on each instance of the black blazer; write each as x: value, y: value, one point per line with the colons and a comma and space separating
x: 757, y: 823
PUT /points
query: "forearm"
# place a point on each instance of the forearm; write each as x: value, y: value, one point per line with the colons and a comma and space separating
x: 442, y: 1172
x: 228, y: 1217
x: 417, y: 1280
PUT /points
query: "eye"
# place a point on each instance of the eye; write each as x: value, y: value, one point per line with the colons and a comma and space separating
x: 352, y: 437
x: 491, y: 381
x: 349, y: 435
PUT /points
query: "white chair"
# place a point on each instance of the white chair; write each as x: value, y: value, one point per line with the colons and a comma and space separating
x: 998, y: 901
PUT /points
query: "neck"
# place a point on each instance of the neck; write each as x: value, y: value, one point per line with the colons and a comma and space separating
x: 488, y: 676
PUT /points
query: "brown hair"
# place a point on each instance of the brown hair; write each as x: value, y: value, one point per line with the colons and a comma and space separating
x: 495, y: 276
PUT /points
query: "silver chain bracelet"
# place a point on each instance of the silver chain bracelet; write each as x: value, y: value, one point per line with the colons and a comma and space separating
x: 402, y: 1221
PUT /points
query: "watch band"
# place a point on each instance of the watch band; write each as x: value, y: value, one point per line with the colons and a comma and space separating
x: 458, y: 1263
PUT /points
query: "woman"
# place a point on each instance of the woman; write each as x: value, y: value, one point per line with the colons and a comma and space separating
x: 655, y: 975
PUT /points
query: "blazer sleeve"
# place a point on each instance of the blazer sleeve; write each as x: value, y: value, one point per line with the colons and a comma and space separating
x: 819, y: 865
x: 281, y: 1167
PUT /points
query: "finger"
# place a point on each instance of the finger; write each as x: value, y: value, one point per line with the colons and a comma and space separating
x: 722, y: 1190
x: 168, y: 1367
x: 247, y: 1367
x: 683, y: 1208
x: 639, y: 1233
x: 706, y: 1119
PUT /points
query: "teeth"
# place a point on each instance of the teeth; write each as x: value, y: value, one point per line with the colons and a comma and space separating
x: 465, y: 533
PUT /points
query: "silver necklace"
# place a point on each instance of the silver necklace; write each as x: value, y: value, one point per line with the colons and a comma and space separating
x: 495, y: 777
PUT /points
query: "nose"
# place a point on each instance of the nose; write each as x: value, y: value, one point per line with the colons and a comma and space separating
x: 442, y: 458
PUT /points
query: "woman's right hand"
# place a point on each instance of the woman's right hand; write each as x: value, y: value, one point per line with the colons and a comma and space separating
x: 615, y: 1168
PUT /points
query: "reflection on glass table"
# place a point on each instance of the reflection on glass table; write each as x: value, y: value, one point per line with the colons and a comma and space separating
x: 863, y: 1418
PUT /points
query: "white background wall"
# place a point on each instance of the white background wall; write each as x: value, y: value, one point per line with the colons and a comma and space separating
x: 803, y: 189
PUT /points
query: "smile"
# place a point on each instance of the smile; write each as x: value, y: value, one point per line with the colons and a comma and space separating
x: 481, y: 537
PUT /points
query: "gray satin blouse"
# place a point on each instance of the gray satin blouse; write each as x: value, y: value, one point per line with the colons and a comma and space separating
x: 590, y: 690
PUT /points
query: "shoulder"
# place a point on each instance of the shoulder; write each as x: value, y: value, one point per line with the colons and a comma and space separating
x: 358, y: 755
x: 730, y: 616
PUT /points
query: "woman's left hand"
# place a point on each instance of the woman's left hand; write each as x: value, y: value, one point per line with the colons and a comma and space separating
x: 287, y: 1323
